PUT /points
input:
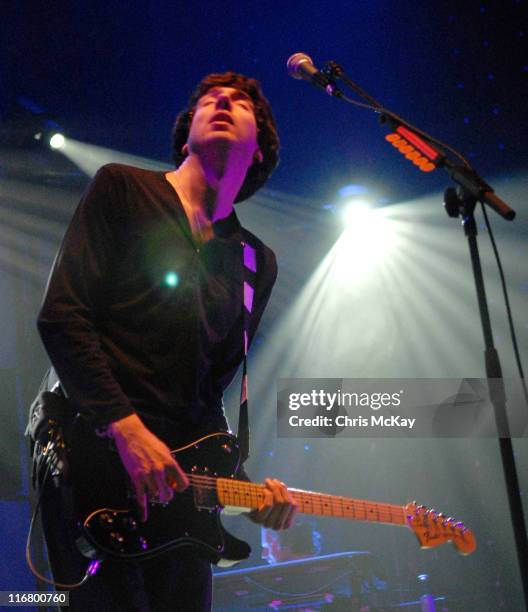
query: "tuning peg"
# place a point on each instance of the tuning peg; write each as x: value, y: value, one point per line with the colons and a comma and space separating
x: 448, y: 522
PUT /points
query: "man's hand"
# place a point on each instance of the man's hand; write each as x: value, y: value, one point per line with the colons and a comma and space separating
x: 278, y: 508
x: 154, y: 472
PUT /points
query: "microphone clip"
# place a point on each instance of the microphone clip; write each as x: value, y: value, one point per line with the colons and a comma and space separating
x: 332, y: 71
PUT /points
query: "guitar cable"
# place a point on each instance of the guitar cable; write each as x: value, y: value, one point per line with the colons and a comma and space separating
x: 93, y: 566
x: 511, y: 326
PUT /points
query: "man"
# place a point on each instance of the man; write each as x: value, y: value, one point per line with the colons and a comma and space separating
x: 143, y: 322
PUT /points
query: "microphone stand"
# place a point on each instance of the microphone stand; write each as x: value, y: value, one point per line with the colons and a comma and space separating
x: 461, y: 202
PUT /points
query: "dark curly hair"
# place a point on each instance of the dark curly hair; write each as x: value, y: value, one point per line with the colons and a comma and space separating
x: 267, y: 138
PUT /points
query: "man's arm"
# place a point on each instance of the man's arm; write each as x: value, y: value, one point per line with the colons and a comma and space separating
x: 75, y: 298
x: 153, y: 470
x: 67, y: 322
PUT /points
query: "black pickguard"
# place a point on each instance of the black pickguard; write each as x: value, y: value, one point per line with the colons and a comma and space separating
x: 109, y: 523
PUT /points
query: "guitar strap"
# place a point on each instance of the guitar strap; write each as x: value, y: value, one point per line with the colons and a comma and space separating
x: 249, y: 260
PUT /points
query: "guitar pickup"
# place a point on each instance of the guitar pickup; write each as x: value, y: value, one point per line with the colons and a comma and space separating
x: 204, y: 499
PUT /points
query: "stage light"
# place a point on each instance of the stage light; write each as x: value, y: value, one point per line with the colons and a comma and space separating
x: 89, y: 158
x: 357, y: 214
x: 367, y: 238
x: 28, y: 127
x: 57, y: 141
x: 171, y: 279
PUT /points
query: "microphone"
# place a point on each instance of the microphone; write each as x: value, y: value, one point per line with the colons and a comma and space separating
x: 301, y: 66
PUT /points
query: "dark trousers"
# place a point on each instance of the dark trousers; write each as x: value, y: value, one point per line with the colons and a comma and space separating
x: 176, y: 580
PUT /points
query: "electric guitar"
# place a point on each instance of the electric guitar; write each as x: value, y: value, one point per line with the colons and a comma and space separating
x: 110, y: 526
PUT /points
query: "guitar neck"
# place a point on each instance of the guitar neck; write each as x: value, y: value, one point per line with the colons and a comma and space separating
x: 241, y: 495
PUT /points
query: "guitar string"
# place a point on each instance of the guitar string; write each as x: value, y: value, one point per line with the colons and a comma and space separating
x: 234, y: 488
x: 353, y: 511
x: 336, y: 506
x: 317, y: 498
x: 357, y: 510
x: 345, y: 506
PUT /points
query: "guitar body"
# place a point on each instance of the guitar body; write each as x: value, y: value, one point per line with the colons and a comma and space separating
x: 109, y: 523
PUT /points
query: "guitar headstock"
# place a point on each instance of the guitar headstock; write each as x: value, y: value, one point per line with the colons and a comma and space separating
x: 433, y: 528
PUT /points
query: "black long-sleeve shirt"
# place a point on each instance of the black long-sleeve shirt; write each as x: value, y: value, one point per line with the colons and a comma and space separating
x: 137, y: 316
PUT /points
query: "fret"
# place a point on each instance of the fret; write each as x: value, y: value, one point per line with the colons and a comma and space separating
x: 250, y: 495
x: 348, y: 508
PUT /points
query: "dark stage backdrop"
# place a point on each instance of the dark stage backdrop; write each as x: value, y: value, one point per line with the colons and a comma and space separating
x: 115, y: 78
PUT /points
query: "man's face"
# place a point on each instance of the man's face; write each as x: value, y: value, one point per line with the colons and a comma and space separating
x: 224, y: 116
